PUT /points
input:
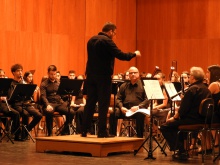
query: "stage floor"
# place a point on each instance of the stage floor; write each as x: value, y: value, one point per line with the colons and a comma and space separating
x: 99, y: 147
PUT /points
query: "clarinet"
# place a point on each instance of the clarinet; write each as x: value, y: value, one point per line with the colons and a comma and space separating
x: 7, y: 104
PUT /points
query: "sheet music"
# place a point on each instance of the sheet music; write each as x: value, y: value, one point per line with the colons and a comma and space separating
x: 172, y: 91
x: 142, y: 110
x: 153, y: 90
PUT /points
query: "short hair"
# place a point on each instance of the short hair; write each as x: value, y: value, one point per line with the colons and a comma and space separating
x: 72, y: 71
x: 16, y: 67
x: 51, y: 68
x: 162, y: 75
x: 108, y: 26
x: 214, y: 73
x: 186, y: 72
x: 197, y: 73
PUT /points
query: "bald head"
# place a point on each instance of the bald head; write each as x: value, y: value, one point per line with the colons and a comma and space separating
x: 133, y: 74
x: 133, y: 69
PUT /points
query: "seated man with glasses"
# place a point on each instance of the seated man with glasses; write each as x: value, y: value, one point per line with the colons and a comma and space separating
x: 131, y: 96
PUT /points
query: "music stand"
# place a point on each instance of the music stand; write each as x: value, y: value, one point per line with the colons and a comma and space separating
x: 70, y: 87
x: 116, y: 83
x: 153, y: 91
x: 173, y: 95
x: 4, y: 87
x: 23, y: 92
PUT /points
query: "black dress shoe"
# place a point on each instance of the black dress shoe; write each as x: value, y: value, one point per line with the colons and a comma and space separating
x: 180, y: 156
x: 84, y: 134
x: 19, y: 139
x: 105, y: 135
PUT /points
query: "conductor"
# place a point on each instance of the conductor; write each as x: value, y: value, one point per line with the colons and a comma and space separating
x: 102, y: 52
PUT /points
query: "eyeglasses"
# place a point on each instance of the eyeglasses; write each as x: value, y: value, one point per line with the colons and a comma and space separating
x: 133, y: 72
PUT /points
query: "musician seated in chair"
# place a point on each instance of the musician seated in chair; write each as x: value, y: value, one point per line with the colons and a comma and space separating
x: 52, y: 102
x: 28, y: 110
x: 160, y: 107
x: 8, y: 111
x: 131, y: 95
x: 188, y: 112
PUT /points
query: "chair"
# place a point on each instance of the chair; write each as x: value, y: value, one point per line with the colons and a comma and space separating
x: 128, y: 127
x: 216, y: 127
x: 5, y: 132
x: 95, y: 121
x: 206, y: 109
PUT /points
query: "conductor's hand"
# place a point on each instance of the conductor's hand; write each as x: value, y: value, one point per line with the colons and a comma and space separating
x: 138, y: 53
x: 49, y: 108
x: 124, y: 110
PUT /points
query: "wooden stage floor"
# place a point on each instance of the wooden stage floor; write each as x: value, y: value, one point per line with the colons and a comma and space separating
x: 98, y: 147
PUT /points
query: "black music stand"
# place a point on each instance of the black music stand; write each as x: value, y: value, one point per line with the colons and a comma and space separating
x: 116, y: 83
x: 23, y: 93
x: 153, y: 92
x: 70, y: 87
x: 4, y: 87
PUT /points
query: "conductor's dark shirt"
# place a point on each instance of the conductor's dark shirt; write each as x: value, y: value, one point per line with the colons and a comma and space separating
x: 189, y: 107
x: 48, y: 90
x: 102, y: 52
x: 132, y: 95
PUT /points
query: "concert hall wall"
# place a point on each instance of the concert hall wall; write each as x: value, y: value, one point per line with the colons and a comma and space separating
x: 186, y: 31
x: 37, y: 33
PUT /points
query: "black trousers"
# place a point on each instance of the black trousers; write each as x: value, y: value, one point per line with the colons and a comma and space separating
x: 170, y: 130
x: 79, y: 118
x: 62, y: 108
x: 26, y: 111
x: 98, y: 89
x: 113, y: 120
x: 15, y: 116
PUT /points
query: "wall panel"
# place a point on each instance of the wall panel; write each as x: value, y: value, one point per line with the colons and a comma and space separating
x: 186, y: 31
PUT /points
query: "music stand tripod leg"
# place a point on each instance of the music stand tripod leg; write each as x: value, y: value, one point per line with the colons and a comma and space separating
x: 70, y: 126
x: 142, y: 145
x: 158, y: 145
x: 24, y: 127
x: 150, y: 151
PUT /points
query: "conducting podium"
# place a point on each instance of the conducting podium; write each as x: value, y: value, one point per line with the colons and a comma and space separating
x: 69, y: 87
x: 23, y: 93
x: 153, y: 92
x: 4, y: 87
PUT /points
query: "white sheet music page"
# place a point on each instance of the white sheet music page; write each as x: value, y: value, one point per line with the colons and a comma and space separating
x: 153, y: 90
x: 172, y: 91
x: 142, y: 110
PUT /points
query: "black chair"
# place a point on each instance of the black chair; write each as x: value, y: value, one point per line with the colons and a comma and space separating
x: 6, y: 133
x: 216, y: 128
x: 206, y: 109
x: 128, y: 127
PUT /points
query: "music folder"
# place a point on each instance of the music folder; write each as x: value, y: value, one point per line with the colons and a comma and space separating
x: 4, y: 86
x: 23, y: 92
